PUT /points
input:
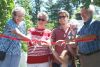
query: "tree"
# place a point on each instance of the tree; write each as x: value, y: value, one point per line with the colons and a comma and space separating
x: 6, y: 7
x: 88, y: 2
x: 35, y: 8
x: 97, y: 2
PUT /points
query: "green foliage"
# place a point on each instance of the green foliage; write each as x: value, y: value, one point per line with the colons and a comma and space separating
x: 24, y: 46
x: 68, y: 5
x: 6, y: 7
x: 86, y: 3
x: 28, y: 21
x: 51, y: 25
x: 97, y: 2
x: 35, y: 8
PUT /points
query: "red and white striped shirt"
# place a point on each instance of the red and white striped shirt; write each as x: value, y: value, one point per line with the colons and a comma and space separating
x: 38, y: 53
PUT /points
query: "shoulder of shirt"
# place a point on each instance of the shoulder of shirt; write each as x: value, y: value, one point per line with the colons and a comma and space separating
x: 55, y: 29
x: 96, y: 22
x: 23, y: 22
x: 31, y: 29
x: 47, y: 30
x: 9, y: 21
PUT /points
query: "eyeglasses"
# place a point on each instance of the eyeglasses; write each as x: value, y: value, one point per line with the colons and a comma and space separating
x: 61, y: 17
x: 39, y: 19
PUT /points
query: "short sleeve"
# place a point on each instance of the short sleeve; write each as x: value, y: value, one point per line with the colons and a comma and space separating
x: 9, y: 26
x: 53, y: 35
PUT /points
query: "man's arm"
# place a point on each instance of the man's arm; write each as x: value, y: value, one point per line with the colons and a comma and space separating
x: 85, y: 38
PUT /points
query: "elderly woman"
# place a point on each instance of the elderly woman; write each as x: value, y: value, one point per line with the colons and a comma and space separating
x: 15, y: 27
x: 39, y: 55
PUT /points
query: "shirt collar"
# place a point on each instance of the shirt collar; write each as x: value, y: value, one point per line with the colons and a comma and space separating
x: 88, y: 22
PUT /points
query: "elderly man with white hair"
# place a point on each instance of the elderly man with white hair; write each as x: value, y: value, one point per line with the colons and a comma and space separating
x: 90, y: 50
x: 15, y: 27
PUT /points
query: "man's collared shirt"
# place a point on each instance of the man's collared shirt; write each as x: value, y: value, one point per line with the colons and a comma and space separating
x: 89, y: 28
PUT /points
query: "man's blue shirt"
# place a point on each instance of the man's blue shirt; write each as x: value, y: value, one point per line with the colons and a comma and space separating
x: 90, y: 27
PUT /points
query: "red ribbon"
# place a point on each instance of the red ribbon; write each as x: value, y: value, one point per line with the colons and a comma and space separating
x: 53, y: 43
x: 14, y: 38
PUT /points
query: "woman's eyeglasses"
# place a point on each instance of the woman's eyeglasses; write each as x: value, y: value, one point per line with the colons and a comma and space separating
x: 39, y: 19
x: 61, y: 17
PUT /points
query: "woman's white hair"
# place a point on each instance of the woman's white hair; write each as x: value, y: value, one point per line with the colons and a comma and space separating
x: 17, y: 9
x: 43, y: 14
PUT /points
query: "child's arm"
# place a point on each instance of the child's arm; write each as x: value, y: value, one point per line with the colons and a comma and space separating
x: 60, y: 58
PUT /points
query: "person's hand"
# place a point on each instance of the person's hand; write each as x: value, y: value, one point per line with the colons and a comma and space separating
x: 60, y: 42
x: 52, y: 48
x: 45, y: 43
x: 71, y: 43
